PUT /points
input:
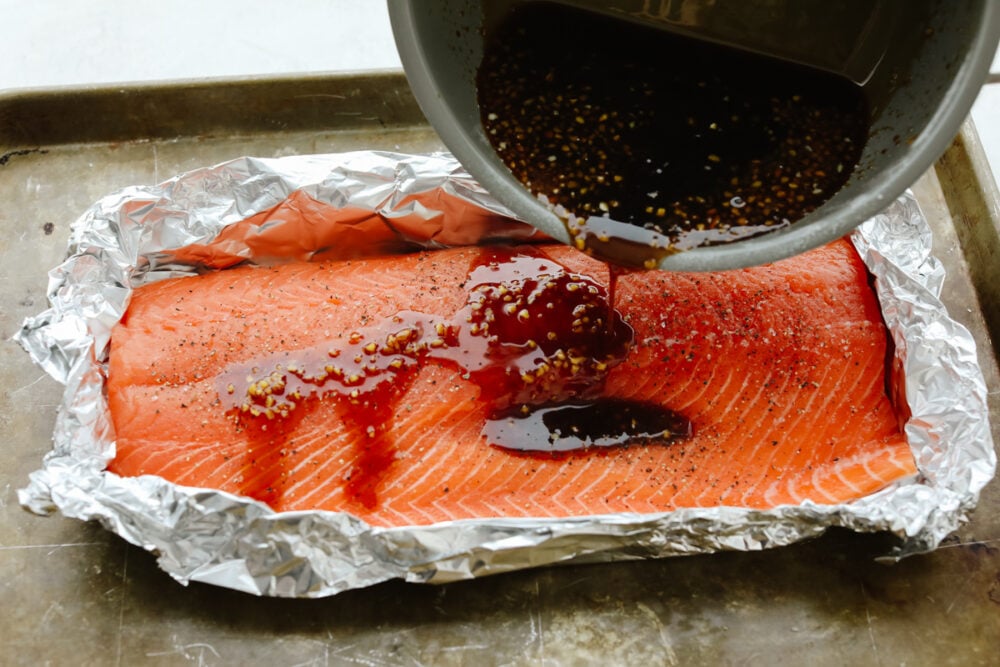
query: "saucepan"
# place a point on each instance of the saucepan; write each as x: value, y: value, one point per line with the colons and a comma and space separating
x: 920, y: 64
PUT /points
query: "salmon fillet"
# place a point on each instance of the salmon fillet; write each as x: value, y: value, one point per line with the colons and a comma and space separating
x: 371, y: 386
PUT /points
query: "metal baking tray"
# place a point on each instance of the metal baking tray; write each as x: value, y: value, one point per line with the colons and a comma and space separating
x: 78, y: 593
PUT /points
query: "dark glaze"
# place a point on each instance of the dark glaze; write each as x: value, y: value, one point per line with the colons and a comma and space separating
x: 549, y: 335
x: 535, y: 337
x: 606, y: 422
x: 648, y: 142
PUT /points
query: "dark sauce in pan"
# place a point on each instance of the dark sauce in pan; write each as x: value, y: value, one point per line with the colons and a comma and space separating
x: 647, y: 143
x: 536, y: 338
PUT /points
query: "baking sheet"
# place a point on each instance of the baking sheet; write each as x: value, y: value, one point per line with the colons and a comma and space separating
x: 305, y: 207
x: 806, y: 599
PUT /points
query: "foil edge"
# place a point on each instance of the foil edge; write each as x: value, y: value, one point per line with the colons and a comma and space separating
x: 217, y: 538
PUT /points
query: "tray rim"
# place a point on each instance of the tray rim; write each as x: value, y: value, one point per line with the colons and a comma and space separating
x: 35, y: 118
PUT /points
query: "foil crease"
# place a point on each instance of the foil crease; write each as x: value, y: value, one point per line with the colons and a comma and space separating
x: 356, y: 203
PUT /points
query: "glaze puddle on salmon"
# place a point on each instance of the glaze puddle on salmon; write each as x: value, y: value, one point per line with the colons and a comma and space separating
x: 500, y: 382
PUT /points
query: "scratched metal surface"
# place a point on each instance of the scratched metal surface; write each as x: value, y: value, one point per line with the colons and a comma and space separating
x: 75, y: 594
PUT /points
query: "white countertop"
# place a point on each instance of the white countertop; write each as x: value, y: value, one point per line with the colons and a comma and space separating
x: 66, y: 42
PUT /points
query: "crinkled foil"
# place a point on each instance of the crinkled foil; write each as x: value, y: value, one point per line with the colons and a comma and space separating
x: 351, y: 203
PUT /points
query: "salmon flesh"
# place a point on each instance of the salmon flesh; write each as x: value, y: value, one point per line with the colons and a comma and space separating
x: 522, y: 381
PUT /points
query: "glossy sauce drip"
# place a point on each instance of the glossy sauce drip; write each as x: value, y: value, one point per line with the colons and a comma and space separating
x: 646, y: 143
x: 362, y: 379
x: 535, y: 337
x: 607, y: 422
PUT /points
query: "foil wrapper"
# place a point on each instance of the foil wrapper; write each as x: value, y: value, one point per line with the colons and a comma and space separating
x: 324, y: 206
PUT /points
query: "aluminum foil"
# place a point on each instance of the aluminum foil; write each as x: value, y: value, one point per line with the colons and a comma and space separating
x: 356, y: 203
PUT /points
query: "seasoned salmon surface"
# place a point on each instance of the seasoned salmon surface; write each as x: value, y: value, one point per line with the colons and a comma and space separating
x: 396, y: 388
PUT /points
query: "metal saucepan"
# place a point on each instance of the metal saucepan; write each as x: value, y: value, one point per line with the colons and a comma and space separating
x: 921, y: 64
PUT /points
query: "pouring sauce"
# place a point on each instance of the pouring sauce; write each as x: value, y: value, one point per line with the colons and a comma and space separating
x: 647, y: 143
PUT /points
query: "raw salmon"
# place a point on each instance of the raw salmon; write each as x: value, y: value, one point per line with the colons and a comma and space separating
x: 509, y: 382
